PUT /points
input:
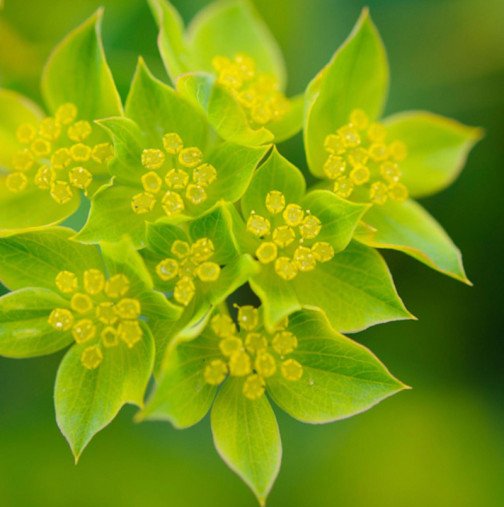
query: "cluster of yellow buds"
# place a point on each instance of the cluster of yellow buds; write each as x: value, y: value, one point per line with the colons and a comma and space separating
x: 360, y: 157
x: 57, y: 155
x: 256, y: 355
x: 172, y: 168
x: 288, y: 237
x: 192, y: 261
x: 256, y: 91
x: 100, y: 313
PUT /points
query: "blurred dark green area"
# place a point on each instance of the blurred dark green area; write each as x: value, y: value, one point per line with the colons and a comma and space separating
x: 441, y: 444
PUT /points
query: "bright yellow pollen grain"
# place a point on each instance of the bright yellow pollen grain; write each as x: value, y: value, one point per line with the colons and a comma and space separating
x: 349, y: 136
x: 253, y: 387
x: 61, y: 319
x: 151, y: 182
x: 284, y: 343
x: 390, y: 171
x: 304, y: 259
x: 202, y: 249
x: 248, y: 317
x: 172, y: 203
x: 167, y: 269
x: 117, y: 286
x: 128, y: 308
x: 378, y: 193
x: 130, y: 332
x: 334, y: 144
x: 80, y: 152
x: 265, y: 364
x: 398, y: 192
x: 266, y: 252
x: 360, y: 175
x: 50, y: 129
x: 105, y: 313
x: 92, y: 357
x: 255, y: 342
x: 310, y: 228
x: 378, y: 152
x: 208, y: 271
x: 293, y: 214
x: 80, y: 177
x: 240, y: 364
x: 26, y: 133
x: 143, y: 203
x: 215, y: 372
x: 180, y: 248
x: 94, y: 281
x: 61, y: 192
x: 285, y: 268
x: 176, y: 178
x: 109, y: 336
x: 291, y: 370
x: 359, y: 119
x: 66, y: 281
x: 44, y: 177
x: 322, y: 251
x: 376, y: 133
x: 15, y: 182
x: 153, y: 158
x: 102, y: 153
x: 222, y: 325
x: 84, y: 330
x: 184, y: 291
x: 79, y: 131
x: 172, y: 143
x: 204, y: 175
x: 275, y: 201
x: 23, y: 160
x: 283, y: 235
x: 334, y: 167
x: 230, y: 344
x: 258, y: 225
x: 41, y: 148
x: 358, y: 157
x: 195, y: 193
x: 61, y: 158
x: 398, y: 150
x: 190, y: 157
x: 81, y: 303
x: 343, y: 187
x: 66, y: 113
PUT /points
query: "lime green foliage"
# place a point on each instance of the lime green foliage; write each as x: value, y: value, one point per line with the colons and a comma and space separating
x: 191, y: 201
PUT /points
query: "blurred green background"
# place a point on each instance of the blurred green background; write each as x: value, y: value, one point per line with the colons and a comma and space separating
x: 441, y: 444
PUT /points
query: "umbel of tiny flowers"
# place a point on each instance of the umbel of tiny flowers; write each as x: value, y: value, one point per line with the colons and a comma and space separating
x: 168, y: 164
x: 197, y: 265
x: 302, y: 243
x: 48, y: 161
x: 66, y: 293
x: 301, y: 359
x: 242, y: 73
x: 383, y: 162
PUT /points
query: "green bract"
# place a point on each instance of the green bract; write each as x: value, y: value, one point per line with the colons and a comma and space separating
x: 191, y: 202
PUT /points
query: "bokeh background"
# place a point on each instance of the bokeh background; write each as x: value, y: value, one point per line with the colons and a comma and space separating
x: 440, y: 444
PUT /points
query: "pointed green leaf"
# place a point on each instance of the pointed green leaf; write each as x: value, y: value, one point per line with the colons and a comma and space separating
x: 88, y: 400
x: 33, y: 259
x: 230, y: 27
x: 437, y: 149
x: 340, y: 377
x: 246, y: 436
x: 277, y: 173
x: 15, y: 109
x: 182, y: 395
x: 410, y: 228
x: 160, y: 237
x: 77, y: 72
x: 24, y: 329
x: 356, y: 78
